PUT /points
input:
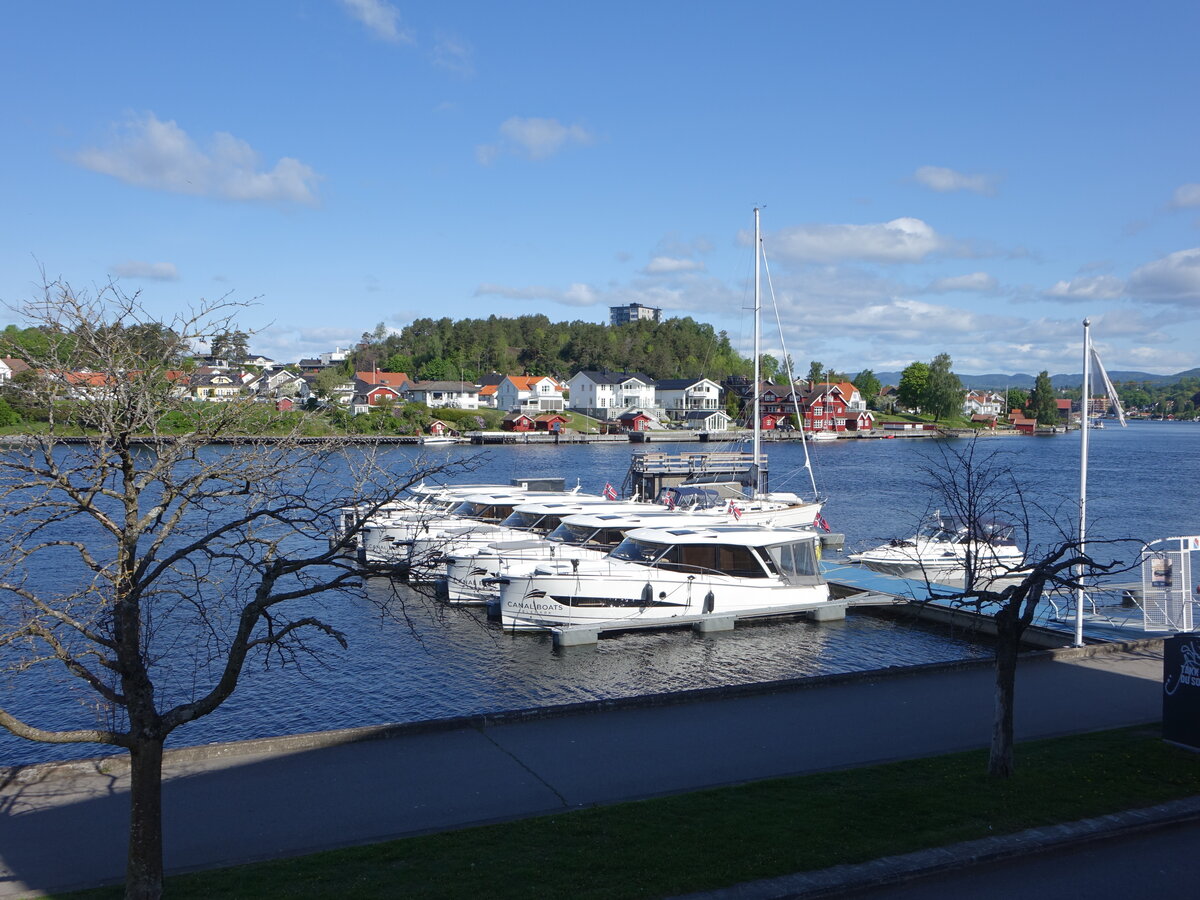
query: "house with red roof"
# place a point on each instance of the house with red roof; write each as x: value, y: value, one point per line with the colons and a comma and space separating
x: 530, y: 393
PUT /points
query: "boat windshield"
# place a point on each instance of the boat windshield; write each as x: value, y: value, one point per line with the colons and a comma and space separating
x: 483, y: 512
x: 795, y: 560
x: 524, y: 521
x: 630, y: 550
x: 572, y: 534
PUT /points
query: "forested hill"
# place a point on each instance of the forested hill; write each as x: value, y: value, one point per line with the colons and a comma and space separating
x: 470, y: 348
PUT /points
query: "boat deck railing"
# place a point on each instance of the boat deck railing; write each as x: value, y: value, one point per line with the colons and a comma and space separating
x: 718, y: 461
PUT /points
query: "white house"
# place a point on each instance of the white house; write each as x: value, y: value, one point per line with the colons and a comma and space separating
x: 679, y: 396
x: 983, y: 403
x: 591, y: 390
x: 10, y: 366
x: 529, y: 393
x: 452, y: 394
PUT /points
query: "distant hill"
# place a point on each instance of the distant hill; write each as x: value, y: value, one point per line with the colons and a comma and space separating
x: 1000, y: 382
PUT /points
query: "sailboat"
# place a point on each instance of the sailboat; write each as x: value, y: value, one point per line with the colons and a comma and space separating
x: 728, y: 477
x: 1089, y: 356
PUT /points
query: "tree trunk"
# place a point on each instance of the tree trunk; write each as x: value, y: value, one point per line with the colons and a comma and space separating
x: 144, y: 869
x: 1008, y: 644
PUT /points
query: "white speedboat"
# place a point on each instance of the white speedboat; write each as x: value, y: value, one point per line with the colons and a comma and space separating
x: 659, y: 574
x: 940, y: 550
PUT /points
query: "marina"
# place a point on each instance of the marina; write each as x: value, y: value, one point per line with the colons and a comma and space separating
x: 434, y: 661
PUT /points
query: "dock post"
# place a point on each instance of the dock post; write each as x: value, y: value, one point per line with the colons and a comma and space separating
x: 830, y: 612
x: 710, y: 624
x: 575, y: 637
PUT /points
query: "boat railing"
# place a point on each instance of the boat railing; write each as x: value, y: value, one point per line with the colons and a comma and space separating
x: 700, y: 461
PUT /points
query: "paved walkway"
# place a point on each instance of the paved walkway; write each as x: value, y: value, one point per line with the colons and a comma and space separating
x: 65, y: 826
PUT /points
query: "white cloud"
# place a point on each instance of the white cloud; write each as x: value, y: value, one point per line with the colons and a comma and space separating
x: 160, y: 271
x: 1186, y: 195
x: 669, y: 265
x: 533, y: 138
x: 902, y: 240
x: 575, y: 295
x: 161, y: 156
x: 943, y: 180
x: 381, y: 18
x: 1173, y: 279
x: 454, y: 55
x: 980, y: 282
x: 289, y: 343
x: 1088, y: 287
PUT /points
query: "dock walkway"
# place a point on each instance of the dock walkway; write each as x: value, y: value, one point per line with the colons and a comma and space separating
x: 65, y: 826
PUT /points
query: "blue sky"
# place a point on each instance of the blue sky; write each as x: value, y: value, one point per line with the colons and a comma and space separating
x: 936, y: 177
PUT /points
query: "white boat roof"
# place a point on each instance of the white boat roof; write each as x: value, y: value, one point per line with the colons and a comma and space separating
x: 631, y: 516
x: 742, y: 535
x: 516, y: 495
x: 580, y: 504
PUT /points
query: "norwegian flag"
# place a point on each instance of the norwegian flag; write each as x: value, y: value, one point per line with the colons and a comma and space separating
x: 669, y: 500
x: 735, y: 511
x: 819, y: 522
x: 610, y: 492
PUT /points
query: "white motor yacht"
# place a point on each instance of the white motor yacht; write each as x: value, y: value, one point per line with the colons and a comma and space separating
x: 471, y: 570
x: 658, y: 574
x: 390, y: 541
x: 940, y: 550
x: 434, y: 546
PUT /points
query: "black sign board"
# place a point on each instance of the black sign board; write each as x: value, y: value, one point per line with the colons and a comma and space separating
x: 1181, y: 690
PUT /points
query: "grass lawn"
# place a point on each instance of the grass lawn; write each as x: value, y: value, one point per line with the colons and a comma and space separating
x: 717, y: 838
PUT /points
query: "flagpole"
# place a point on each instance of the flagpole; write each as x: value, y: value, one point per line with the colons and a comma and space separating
x: 1083, y: 463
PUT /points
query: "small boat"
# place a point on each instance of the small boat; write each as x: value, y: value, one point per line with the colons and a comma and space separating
x: 941, y: 549
x: 435, y: 439
x: 659, y: 574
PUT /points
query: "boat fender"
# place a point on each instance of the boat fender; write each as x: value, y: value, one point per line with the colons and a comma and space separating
x: 647, y: 594
x: 709, y: 602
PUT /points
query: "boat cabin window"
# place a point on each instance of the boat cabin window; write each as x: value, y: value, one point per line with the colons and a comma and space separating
x: 524, y: 521
x: 579, y: 535
x: 795, y: 560
x: 735, y: 560
x: 630, y: 550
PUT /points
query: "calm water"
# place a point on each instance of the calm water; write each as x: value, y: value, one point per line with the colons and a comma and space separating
x: 446, y: 662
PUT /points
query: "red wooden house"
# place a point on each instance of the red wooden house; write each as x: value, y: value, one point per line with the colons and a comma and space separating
x: 552, y: 422
x: 517, y: 421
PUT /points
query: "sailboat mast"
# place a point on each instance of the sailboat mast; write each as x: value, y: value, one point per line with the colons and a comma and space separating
x: 1083, y: 464
x: 757, y: 353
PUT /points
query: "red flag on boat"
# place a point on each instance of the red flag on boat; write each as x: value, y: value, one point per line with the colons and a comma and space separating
x: 610, y: 492
x: 735, y: 510
x: 819, y: 522
x: 669, y: 499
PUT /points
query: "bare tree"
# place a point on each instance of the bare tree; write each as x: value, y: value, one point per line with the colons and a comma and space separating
x: 980, y: 488
x: 174, y: 559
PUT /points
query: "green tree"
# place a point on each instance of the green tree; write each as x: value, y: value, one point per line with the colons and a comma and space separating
x: 868, y: 385
x: 1042, y: 405
x: 816, y: 372
x: 1017, y: 398
x: 943, y: 390
x: 911, y: 389
x: 8, y: 415
x: 768, y: 367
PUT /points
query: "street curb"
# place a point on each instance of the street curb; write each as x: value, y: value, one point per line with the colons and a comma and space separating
x: 118, y: 763
x: 921, y: 863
